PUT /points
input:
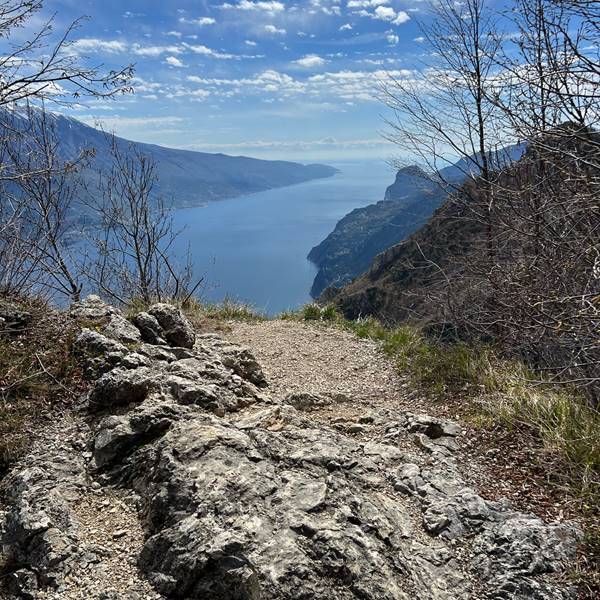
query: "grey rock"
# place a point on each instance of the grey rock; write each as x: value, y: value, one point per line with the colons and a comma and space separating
x: 13, y: 319
x: 252, y: 502
x: 149, y: 328
x: 23, y: 584
x: 175, y: 327
x: 94, y: 344
x: 306, y: 401
x: 39, y: 533
x: 122, y: 386
x: 432, y: 427
x: 237, y: 358
x: 92, y: 308
x: 119, y: 328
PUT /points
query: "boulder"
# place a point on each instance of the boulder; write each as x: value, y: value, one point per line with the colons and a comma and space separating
x: 175, y: 327
x: 149, y: 328
x: 13, y: 319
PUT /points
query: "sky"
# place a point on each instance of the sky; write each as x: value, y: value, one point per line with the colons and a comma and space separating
x: 266, y: 78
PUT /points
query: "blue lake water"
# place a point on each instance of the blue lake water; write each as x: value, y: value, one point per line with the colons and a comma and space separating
x: 253, y: 248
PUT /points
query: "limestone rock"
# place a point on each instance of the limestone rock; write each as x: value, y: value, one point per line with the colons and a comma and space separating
x: 12, y: 318
x: 149, y: 328
x: 119, y: 328
x: 175, y: 327
x: 92, y: 308
x: 122, y: 386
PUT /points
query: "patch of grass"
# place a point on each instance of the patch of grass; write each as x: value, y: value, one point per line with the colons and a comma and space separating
x: 314, y: 312
x: 39, y: 376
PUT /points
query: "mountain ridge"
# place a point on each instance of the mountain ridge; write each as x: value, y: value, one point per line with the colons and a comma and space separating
x: 187, y: 177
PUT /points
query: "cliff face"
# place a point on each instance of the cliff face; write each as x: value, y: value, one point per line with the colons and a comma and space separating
x: 389, y: 288
x: 365, y: 232
x: 409, y: 202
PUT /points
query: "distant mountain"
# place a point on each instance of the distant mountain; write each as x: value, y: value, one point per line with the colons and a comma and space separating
x: 365, y: 232
x: 185, y: 177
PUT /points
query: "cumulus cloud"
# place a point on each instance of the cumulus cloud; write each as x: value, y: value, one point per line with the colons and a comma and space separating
x: 174, y: 62
x: 346, y: 27
x: 349, y: 86
x: 200, y: 21
x: 392, y: 38
x: 380, y: 12
x: 366, y: 3
x: 274, y: 30
x: 83, y: 45
x: 154, y: 51
x: 328, y: 7
x: 310, y: 60
x: 271, y: 6
x: 250, y: 43
x: 205, y: 51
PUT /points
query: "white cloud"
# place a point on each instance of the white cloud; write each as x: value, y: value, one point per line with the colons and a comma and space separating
x: 176, y: 34
x: 392, y: 38
x: 83, y: 45
x: 310, y: 60
x: 174, y: 62
x: 268, y: 6
x: 366, y: 3
x: 328, y: 7
x: 349, y: 86
x: 112, y: 122
x: 327, y: 142
x: 205, y: 51
x: 250, y: 43
x: 419, y: 39
x: 346, y: 27
x: 274, y: 30
x: 200, y: 21
x: 154, y: 50
x: 381, y: 12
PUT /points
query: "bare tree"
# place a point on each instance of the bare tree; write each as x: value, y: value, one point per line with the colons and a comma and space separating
x: 43, y: 192
x: 134, y: 245
x: 526, y: 270
x: 42, y: 68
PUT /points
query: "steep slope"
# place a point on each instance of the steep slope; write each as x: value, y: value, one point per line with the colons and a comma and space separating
x: 187, y: 178
x: 388, y: 288
x: 365, y: 232
x: 409, y: 202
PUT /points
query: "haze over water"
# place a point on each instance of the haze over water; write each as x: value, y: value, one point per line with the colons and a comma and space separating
x: 253, y: 248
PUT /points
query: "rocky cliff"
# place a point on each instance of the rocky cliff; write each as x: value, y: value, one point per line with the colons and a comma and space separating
x: 365, y: 232
x: 180, y: 475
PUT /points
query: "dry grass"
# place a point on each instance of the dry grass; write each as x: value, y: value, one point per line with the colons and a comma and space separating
x: 39, y: 377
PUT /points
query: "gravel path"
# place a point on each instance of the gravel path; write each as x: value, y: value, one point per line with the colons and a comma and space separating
x: 299, y: 357
x: 309, y: 357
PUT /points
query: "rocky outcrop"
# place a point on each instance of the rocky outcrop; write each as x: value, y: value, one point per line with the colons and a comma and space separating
x: 12, y: 318
x: 243, y: 496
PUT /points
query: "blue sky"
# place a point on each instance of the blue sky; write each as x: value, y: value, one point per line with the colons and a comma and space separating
x: 290, y: 80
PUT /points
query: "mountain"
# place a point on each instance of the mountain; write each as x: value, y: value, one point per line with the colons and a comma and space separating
x: 185, y: 177
x: 365, y: 232
x: 389, y: 288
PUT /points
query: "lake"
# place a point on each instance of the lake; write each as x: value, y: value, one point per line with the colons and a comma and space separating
x: 253, y: 248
